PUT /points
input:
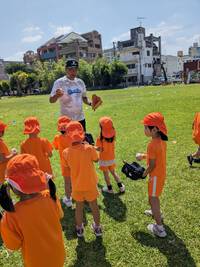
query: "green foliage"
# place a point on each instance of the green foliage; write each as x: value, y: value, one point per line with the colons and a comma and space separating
x: 18, y: 82
x: 85, y: 72
x: 101, y: 72
x: 118, y: 70
x: 4, y: 87
x: 14, y: 67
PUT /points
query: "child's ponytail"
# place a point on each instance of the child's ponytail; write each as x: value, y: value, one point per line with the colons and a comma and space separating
x: 52, y: 189
x: 5, y: 200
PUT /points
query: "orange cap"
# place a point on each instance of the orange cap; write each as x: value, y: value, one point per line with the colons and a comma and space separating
x: 31, y: 125
x: 23, y: 173
x: 2, y: 126
x: 155, y: 119
x: 75, y: 131
x: 106, y: 124
x: 62, y: 122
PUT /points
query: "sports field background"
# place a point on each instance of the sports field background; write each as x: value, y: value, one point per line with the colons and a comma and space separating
x: 126, y: 241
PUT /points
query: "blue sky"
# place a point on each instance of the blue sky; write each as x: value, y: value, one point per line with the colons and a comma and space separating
x: 25, y: 24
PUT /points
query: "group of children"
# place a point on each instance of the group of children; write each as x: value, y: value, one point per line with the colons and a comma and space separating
x: 32, y: 224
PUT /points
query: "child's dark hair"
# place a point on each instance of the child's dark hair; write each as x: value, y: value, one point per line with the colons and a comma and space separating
x: 52, y: 189
x: 109, y: 140
x: 162, y: 135
x: 5, y: 200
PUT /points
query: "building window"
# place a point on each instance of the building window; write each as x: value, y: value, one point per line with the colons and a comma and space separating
x: 97, y: 46
x: 149, y: 65
x: 148, y: 53
x: 135, y: 53
x: 131, y: 66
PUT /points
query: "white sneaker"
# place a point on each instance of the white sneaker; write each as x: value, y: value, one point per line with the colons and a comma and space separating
x: 106, y: 190
x: 150, y: 214
x: 67, y: 201
x: 157, y: 230
x: 122, y: 188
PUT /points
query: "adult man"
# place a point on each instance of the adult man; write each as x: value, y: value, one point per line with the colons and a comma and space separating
x: 71, y: 93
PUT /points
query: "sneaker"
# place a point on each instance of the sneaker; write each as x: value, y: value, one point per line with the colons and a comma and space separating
x: 67, y: 201
x: 190, y: 159
x: 106, y: 190
x: 122, y: 188
x: 157, y: 230
x: 97, y: 229
x: 80, y: 231
x: 150, y: 214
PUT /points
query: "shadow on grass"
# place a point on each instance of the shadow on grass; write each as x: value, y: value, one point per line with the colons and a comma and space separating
x: 172, y: 247
x: 114, y: 206
x: 91, y: 254
x: 1, y: 242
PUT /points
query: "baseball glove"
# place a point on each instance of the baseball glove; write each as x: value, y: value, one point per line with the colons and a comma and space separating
x: 96, y: 102
x: 133, y: 171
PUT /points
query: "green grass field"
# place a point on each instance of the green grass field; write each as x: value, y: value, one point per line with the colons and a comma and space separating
x: 126, y: 241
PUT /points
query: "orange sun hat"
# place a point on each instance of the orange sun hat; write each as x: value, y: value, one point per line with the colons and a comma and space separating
x: 3, y: 126
x: 106, y: 124
x: 24, y: 174
x: 63, y: 120
x: 31, y: 125
x: 155, y: 119
x: 75, y: 131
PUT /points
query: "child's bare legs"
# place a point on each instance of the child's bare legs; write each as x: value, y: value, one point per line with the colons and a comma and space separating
x: 155, y: 208
x: 95, y: 212
x: 79, y: 213
x: 68, y: 189
x: 115, y: 175
x: 106, y: 177
x: 196, y: 154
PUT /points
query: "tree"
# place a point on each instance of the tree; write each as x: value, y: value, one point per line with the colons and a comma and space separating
x: 19, y: 82
x: 85, y: 72
x: 14, y: 67
x: 118, y: 70
x: 4, y: 87
x: 101, y: 72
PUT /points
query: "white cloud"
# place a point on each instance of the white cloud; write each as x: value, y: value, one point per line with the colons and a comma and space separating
x: 31, y: 34
x: 165, y: 30
x: 59, y: 30
x: 31, y: 38
x: 32, y: 29
x: 18, y: 56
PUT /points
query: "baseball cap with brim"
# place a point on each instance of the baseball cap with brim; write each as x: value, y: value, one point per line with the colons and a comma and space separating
x: 155, y: 119
x: 24, y: 174
x: 31, y: 126
x: 107, y: 128
x: 63, y: 120
x: 3, y: 126
x: 75, y: 131
x: 71, y: 63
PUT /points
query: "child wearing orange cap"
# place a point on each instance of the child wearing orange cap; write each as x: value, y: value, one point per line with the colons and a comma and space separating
x: 33, y: 223
x: 41, y: 148
x: 106, y: 145
x: 195, y: 157
x: 80, y: 158
x: 60, y: 142
x: 154, y: 127
x: 5, y: 154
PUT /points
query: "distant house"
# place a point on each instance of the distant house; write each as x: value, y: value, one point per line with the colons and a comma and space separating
x: 87, y: 46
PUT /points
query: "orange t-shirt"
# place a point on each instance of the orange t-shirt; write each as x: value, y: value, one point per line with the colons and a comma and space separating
x: 79, y: 159
x: 61, y: 142
x: 196, y: 128
x: 5, y: 151
x: 157, y: 150
x: 39, y: 147
x: 35, y: 228
x: 108, y: 152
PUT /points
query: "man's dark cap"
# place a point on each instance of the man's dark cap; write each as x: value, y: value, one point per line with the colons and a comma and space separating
x: 71, y: 63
